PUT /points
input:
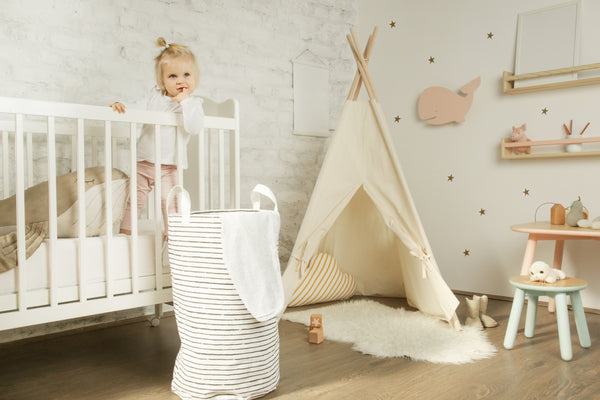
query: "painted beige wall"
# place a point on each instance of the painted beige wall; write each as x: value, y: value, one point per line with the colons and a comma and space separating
x: 455, y: 34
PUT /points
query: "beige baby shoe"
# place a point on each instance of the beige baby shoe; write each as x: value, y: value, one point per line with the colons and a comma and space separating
x: 486, y: 320
x: 473, y: 306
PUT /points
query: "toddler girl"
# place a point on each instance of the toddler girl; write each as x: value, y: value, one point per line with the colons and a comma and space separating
x: 176, y: 77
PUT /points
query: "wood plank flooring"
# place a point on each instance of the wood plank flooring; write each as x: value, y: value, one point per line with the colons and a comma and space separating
x: 135, y: 361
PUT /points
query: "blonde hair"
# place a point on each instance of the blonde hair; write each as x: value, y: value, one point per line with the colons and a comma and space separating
x: 170, y: 51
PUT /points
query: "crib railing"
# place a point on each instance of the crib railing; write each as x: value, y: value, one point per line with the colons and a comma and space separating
x: 213, y: 174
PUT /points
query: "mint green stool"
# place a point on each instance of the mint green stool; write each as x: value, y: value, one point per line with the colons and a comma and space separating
x: 559, y: 291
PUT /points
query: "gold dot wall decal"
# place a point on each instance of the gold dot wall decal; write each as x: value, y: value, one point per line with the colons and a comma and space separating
x: 450, y: 178
x: 431, y: 60
x: 397, y: 118
x: 482, y: 211
x: 393, y: 24
x: 526, y: 192
x: 545, y: 110
x: 490, y: 35
x: 467, y: 252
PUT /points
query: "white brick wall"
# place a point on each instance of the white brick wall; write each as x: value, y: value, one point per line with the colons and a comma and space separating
x: 96, y: 52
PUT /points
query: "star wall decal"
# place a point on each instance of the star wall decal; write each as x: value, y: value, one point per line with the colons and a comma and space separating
x: 482, y: 211
x: 397, y: 118
x: 526, y: 192
x: 467, y: 252
x: 431, y: 60
x: 450, y: 178
x: 490, y: 35
x: 545, y: 110
x: 393, y: 24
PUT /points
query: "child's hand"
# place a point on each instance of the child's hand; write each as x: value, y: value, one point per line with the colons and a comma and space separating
x: 184, y: 94
x: 118, y: 107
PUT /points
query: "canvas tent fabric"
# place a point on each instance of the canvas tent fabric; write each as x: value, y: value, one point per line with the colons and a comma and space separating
x: 361, y: 212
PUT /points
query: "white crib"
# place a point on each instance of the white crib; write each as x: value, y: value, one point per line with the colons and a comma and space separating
x: 74, y: 277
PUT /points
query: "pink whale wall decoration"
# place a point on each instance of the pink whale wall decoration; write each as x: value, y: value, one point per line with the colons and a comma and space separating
x: 438, y: 105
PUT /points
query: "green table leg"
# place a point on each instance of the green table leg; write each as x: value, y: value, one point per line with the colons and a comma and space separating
x: 564, y: 331
x: 530, y: 317
x: 514, y: 319
x: 579, y: 314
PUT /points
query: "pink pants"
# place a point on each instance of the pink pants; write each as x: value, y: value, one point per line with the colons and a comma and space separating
x: 145, y: 182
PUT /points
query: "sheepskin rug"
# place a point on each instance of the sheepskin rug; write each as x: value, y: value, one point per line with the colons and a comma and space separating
x: 382, y: 331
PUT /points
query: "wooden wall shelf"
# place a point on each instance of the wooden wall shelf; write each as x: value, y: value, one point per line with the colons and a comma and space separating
x: 508, y: 79
x: 507, y: 145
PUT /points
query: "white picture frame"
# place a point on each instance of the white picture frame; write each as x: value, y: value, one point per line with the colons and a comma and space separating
x: 548, y: 38
x: 311, y: 95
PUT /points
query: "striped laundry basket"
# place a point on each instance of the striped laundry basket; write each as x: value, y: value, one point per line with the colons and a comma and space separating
x: 219, y: 268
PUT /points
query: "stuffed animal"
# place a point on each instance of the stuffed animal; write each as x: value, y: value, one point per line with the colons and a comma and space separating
x: 518, y: 135
x: 541, y: 272
x: 576, y: 213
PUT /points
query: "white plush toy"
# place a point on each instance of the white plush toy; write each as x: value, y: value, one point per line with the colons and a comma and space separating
x: 586, y: 223
x: 540, y: 271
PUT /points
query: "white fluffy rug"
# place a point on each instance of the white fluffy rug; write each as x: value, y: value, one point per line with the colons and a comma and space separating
x: 382, y: 331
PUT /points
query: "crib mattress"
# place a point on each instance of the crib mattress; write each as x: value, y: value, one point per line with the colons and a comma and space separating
x: 37, y: 272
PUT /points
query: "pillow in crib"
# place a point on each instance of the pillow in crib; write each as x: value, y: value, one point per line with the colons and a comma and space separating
x: 323, y: 282
x: 95, y: 196
x: 36, y: 211
x: 36, y: 203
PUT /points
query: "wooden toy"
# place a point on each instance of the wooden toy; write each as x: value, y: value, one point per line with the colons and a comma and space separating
x: 557, y: 215
x: 315, y: 332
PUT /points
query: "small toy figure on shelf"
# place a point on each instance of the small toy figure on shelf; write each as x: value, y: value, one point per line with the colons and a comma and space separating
x: 518, y: 135
x: 315, y: 332
x: 541, y: 272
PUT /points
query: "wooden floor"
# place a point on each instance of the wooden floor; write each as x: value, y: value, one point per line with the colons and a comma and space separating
x: 135, y: 361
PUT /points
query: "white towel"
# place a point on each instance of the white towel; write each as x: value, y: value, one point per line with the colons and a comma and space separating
x: 250, y: 252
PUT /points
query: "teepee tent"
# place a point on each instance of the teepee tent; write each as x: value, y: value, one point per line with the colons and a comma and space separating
x: 361, y: 213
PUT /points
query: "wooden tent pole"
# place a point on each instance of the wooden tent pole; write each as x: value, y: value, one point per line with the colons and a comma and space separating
x: 367, y: 57
x: 357, y: 78
x: 362, y: 68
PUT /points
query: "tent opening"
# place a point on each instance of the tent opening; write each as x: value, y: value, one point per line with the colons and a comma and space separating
x: 366, y: 248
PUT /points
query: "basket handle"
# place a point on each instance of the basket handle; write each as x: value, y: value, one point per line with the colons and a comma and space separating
x: 265, y: 191
x: 184, y: 203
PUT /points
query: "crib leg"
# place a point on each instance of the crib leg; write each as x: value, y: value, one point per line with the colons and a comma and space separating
x: 158, y: 313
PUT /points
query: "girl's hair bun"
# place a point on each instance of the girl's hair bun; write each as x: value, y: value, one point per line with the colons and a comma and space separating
x: 161, y: 42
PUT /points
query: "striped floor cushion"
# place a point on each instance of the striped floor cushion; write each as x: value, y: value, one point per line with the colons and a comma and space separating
x: 322, y: 282
x: 225, y: 353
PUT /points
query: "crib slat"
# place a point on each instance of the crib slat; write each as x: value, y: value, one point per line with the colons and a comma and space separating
x: 29, y: 158
x: 5, y: 153
x: 235, y: 159
x: 209, y: 169
x: 180, y: 152
x: 20, y: 199
x: 52, y: 217
x: 81, y: 209
x: 133, y: 202
x: 108, y: 208
x: 202, y: 168
x: 157, y: 208
x: 221, y: 169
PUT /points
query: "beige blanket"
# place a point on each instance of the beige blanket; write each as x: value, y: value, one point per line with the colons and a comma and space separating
x: 36, y: 211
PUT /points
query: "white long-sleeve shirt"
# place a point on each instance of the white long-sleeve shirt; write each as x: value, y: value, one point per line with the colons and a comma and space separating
x: 193, y: 123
